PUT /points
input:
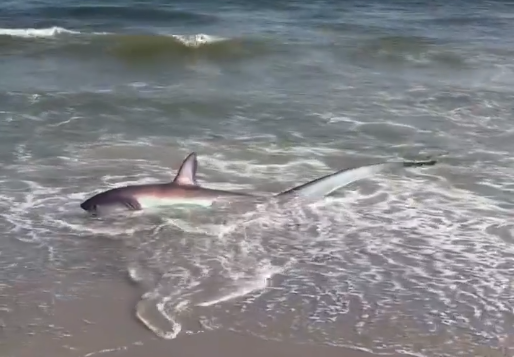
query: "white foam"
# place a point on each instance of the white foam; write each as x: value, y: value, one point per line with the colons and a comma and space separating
x: 406, y: 208
x: 197, y: 40
x: 257, y: 282
x: 33, y: 32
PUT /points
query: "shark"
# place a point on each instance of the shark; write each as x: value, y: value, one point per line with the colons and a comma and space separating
x: 184, y: 189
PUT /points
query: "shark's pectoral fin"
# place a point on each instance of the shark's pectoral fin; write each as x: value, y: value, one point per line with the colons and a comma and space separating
x: 93, y: 211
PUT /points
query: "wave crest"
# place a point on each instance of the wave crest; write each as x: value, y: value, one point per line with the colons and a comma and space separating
x: 126, y: 46
x: 34, y: 33
x: 197, y: 40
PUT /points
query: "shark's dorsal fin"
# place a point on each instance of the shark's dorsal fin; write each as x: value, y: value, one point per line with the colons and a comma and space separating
x: 186, y: 174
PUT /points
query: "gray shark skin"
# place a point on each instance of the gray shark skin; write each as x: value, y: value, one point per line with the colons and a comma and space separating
x: 185, y: 190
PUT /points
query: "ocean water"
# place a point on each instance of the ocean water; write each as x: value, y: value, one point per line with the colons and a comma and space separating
x: 270, y: 95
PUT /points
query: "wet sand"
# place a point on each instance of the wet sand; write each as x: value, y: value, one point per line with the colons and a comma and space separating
x: 104, y: 325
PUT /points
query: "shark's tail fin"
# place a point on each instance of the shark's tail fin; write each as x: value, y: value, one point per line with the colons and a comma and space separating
x: 325, y: 185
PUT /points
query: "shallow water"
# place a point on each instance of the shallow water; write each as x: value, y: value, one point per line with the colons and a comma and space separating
x: 270, y: 95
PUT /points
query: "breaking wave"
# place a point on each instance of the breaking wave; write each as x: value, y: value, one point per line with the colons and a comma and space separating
x: 37, y: 33
x: 125, y: 46
x: 140, y: 46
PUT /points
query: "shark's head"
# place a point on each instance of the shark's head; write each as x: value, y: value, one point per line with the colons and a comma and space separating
x: 134, y: 197
x: 104, y: 203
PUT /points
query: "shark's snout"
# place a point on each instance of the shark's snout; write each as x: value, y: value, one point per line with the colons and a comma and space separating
x: 87, y: 205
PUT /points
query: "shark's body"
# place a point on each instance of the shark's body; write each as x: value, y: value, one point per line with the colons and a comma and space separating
x: 184, y: 189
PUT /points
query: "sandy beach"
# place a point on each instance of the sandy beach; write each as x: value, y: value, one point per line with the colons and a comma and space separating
x: 105, y: 326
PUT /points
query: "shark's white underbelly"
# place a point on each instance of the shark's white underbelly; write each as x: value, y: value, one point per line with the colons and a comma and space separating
x: 152, y: 202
